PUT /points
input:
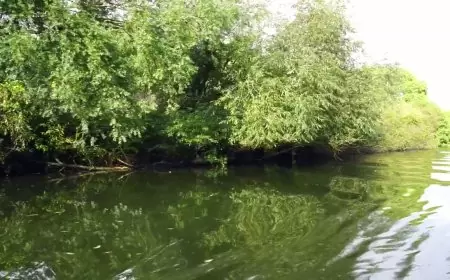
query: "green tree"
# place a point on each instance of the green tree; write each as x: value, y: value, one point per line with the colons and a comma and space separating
x: 304, y: 87
x: 97, y: 86
x: 409, y: 120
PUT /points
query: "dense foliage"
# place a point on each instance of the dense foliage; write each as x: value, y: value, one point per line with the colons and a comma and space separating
x: 444, y: 130
x: 408, y: 119
x: 96, y: 80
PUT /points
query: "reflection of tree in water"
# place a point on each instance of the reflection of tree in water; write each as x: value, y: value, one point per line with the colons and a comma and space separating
x: 178, y: 227
x: 275, y: 222
x: 391, y: 232
x: 282, y: 235
x: 395, y: 181
x: 80, y: 239
x: 77, y: 239
x: 401, y: 182
x: 258, y: 216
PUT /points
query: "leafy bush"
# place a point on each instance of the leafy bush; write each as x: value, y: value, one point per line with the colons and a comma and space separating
x: 443, y: 132
x: 407, y: 126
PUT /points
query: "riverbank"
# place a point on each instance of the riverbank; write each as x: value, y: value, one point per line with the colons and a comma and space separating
x: 21, y: 164
x: 28, y: 163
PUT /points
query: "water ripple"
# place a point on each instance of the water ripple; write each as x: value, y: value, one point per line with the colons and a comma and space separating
x: 414, y: 247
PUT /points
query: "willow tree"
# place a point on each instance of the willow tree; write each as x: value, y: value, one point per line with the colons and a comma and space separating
x: 408, y: 119
x: 304, y: 88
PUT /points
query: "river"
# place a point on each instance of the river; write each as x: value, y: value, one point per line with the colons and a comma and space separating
x: 384, y: 216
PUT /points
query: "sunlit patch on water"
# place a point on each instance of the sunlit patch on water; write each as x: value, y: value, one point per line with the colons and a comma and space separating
x: 414, y: 247
x: 443, y: 177
x: 39, y: 271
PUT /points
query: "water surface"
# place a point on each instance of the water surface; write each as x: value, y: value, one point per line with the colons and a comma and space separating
x: 381, y: 217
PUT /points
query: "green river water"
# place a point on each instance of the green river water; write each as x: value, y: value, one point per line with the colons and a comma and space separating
x: 383, y: 216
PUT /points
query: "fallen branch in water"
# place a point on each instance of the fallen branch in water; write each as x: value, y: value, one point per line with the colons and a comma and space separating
x: 76, y: 176
x: 58, y: 163
x: 125, y: 163
x: 126, y: 175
